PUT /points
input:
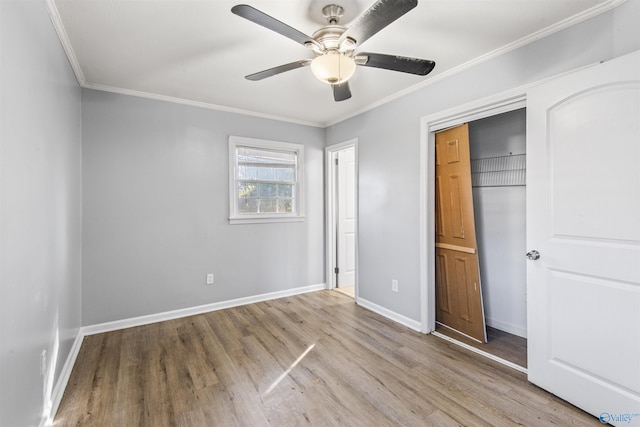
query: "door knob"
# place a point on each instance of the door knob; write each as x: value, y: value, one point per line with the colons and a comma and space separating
x: 533, y: 255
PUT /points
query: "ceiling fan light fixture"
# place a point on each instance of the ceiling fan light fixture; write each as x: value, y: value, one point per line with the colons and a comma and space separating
x: 333, y: 67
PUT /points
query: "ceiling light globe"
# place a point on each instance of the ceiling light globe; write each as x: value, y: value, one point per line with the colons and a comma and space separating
x: 333, y: 68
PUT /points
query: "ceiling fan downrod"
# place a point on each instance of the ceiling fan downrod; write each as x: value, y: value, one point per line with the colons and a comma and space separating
x: 333, y: 13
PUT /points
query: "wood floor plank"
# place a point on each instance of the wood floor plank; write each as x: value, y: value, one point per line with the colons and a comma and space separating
x: 501, y: 344
x: 104, y: 379
x: 311, y: 359
x: 200, y: 369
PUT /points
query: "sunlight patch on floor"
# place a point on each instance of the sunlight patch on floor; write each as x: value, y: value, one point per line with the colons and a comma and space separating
x: 347, y: 290
x: 285, y: 373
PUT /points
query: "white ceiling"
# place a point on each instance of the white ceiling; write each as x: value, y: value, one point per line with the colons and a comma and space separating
x: 198, y: 52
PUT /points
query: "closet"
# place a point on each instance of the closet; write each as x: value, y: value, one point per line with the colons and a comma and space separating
x: 497, y: 147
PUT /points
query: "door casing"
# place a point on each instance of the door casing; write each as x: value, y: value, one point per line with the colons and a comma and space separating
x: 479, y: 109
x: 429, y: 125
x: 330, y: 212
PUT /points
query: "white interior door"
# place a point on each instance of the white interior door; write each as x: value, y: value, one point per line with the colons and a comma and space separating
x: 583, y: 216
x: 346, y: 252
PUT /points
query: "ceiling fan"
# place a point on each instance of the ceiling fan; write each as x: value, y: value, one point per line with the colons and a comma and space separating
x: 335, y: 45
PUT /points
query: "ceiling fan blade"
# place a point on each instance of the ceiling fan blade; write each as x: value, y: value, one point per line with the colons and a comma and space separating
x: 341, y: 91
x: 277, y: 70
x: 421, y: 67
x: 261, y: 18
x: 374, y: 19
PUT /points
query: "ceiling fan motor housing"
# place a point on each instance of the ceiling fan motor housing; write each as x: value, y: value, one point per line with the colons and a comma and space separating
x: 329, y: 36
x: 333, y: 63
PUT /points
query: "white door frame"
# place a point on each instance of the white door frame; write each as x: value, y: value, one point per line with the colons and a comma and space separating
x: 330, y: 214
x: 429, y: 125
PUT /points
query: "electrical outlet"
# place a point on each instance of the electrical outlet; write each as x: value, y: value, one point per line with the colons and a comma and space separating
x: 209, y: 278
x: 394, y: 285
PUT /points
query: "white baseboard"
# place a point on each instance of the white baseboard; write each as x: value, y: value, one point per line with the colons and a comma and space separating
x: 392, y: 315
x: 507, y: 327
x: 63, y: 379
x: 192, y: 311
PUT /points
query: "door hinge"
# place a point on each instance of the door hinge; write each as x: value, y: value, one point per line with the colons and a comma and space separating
x: 336, y: 270
x: 336, y: 161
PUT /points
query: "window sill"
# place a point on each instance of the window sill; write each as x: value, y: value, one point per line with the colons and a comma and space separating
x: 264, y: 220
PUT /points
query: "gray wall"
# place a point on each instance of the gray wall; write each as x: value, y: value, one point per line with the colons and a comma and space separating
x: 155, y: 208
x: 155, y: 195
x: 40, y: 210
x: 500, y: 214
x: 389, y: 139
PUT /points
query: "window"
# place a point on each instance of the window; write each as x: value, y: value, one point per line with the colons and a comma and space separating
x: 265, y: 181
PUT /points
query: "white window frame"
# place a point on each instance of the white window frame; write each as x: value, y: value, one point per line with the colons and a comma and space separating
x: 235, y: 217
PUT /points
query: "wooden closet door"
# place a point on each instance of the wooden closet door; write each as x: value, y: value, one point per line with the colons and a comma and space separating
x: 458, y: 291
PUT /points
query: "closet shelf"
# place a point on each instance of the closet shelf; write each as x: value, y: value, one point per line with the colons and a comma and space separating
x: 500, y: 171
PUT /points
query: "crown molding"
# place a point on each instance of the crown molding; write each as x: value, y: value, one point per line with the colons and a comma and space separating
x: 554, y: 28
x: 175, y: 100
x: 551, y: 29
x: 64, y: 40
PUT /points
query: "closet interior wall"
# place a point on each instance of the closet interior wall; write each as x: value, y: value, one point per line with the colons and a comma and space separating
x: 500, y: 209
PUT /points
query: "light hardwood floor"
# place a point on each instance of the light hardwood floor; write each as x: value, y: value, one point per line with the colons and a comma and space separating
x: 349, y: 291
x: 502, y: 344
x: 313, y: 359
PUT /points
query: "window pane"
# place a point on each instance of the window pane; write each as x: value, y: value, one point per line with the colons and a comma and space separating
x: 247, y: 189
x: 285, y: 205
x: 246, y: 205
x: 268, y: 190
x: 266, y: 174
x: 250, y: 173
x: 285, y: 190
x: 268, y: 205
x: 284, y: 174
